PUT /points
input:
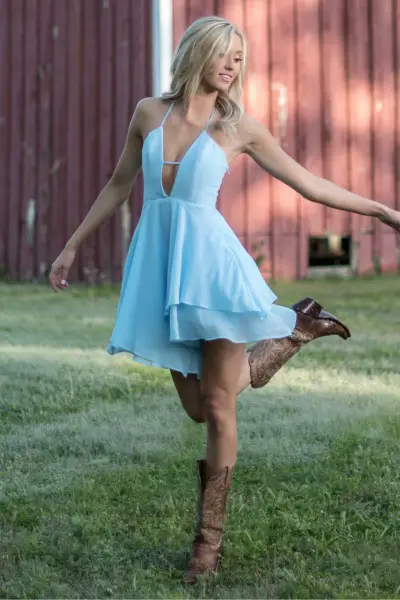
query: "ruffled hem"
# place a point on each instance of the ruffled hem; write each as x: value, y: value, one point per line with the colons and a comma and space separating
x: 189, y: 322
x: 188, y: 278
x: 186, y: 363
x: 184, y: 352
x: 230, y: 282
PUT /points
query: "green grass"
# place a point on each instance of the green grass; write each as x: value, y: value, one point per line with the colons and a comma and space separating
x: 97, y: 458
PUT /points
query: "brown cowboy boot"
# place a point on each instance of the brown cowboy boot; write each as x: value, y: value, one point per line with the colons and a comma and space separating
x: 268, y: 356
x: 213, y: 488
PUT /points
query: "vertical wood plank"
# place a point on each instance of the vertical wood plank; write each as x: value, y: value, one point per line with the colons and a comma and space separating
x: 139, y: 78
x: 302, y: 244
x: 29, y: 158
x: 309, y: 113
x: 199, y: 8
x: 360, y: 114
x: 396, y: 33
x: 89, y: 135
x: 17, y: 125
x: 179, y: 19
x: 335, y: 107
x: 5, y: 58
x: 257, y: 99
x: 74, y: 149
x: 58, y: 167
x: 105, y: 121
x: 44, y: 137
x: 285, y: 200
x: 383, y: 123
x: 233, y: 190
x: 121, y: 117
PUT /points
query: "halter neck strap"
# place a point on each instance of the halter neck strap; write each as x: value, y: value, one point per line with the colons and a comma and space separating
x: 167, y: 113
x: 170, y: 108
x: 209, y: 119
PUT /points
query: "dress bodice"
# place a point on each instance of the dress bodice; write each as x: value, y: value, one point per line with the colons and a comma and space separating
x: 200, y: 172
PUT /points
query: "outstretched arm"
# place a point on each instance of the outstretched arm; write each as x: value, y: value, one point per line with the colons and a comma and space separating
x: 269, y: 155
x: 114, y: 193
x: 118, y: 188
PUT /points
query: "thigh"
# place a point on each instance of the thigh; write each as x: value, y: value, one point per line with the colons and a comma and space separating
x: 187, y: 387
x: 222, y: 366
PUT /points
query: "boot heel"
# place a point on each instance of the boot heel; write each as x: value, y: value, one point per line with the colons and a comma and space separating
x: 308, y: 306
x: 312, y: 309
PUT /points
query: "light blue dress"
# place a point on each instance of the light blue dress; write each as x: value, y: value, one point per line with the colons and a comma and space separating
x: 187, y: 277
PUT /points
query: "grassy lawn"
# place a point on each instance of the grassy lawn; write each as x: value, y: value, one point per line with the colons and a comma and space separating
x: 97, y: 458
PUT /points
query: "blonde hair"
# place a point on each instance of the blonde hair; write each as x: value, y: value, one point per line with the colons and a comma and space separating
x: 202, y: 40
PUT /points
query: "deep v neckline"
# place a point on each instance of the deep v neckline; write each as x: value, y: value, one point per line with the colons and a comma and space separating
x: 187, y: 151
x: 177, y: 163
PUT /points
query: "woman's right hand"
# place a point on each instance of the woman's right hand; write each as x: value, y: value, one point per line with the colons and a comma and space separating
x: 60, y: 267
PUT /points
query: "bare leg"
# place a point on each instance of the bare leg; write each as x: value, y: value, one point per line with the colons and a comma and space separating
x: 263, y: 360
x: 189, y: 392
x: 219, y: 379
x: 188, y: 389
x: 218, y: 384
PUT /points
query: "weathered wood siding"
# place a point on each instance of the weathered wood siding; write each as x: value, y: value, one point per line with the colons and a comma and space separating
x: 71, y: 74
x: 323, y: 77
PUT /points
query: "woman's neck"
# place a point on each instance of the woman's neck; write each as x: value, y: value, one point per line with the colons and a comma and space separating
x: 200, y: 107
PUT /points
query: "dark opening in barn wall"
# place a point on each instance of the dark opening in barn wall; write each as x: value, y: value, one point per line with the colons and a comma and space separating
x: 329, y: 251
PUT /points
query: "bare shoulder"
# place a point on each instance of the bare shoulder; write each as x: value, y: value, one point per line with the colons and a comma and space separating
x: 250, y: 130
x: 148, y: 114
x: 147, y: 106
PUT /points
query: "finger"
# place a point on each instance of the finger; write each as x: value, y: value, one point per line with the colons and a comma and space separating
x: 60, y: 275
x: 55, y: 281
x: 63, y: 275
x: 53, y: 285
x: 57, y: 278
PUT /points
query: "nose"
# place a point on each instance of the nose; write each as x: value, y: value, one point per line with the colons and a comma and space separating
x: 228, y: 63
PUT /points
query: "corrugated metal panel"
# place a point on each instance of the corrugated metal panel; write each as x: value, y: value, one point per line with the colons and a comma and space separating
x: 72, y: 72
x: 322, y: 77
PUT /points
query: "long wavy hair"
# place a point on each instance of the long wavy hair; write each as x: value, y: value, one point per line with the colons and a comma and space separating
x: 202, y: 41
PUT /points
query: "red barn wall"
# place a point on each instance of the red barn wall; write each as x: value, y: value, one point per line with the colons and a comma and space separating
x: 71, y: 74
x: 322, y: 76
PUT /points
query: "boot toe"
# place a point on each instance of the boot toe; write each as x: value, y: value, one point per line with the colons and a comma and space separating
x: 335, y: 326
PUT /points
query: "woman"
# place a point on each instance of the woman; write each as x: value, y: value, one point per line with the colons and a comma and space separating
x: 191, y: 296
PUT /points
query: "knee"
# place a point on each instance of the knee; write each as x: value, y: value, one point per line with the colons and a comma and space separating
x: 197, y: 417
x: 219, y: 409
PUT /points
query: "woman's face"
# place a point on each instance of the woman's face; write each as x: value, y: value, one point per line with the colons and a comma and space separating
x: 223, y: 70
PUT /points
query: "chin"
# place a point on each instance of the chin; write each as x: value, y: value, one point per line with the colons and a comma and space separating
x: 222, y: 88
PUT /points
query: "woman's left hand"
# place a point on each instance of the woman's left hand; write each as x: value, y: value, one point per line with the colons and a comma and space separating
x: 391, y: 218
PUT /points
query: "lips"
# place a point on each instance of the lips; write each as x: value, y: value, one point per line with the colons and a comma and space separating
x: 225, y: 77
